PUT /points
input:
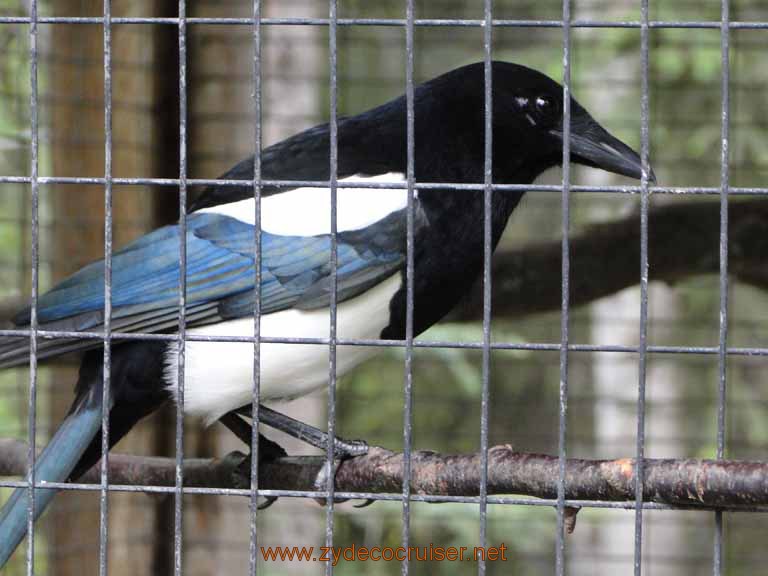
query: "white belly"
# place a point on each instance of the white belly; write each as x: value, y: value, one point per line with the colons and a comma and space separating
x: 218, y: 376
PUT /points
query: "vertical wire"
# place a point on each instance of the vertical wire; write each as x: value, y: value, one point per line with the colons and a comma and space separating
x: 409, y: 272
x: 35, y: 262
x: 717, y: 567
x: 487, y: 253
x: 643, y: 344
x: 179, y: 476
x: 334, y: 164
x: 254, y: 500
x: 107, y: 371
x: 565, y: 300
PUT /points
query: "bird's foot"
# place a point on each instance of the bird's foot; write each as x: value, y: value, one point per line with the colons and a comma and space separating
x: 301, y: 431
x: 342, y: 450
x: 328, y: 470
x: 268, y: 451
x: 241, y: 477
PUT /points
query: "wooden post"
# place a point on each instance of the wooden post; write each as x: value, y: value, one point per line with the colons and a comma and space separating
x: 145, y: 144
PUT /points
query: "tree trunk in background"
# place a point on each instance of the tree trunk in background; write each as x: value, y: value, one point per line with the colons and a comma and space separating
x: 77, y: 128
x: 77, y: 237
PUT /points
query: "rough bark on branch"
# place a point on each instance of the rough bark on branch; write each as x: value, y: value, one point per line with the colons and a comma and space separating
x: 700, y: 483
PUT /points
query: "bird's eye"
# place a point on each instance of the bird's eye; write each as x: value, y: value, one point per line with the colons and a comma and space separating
x: 544, y: 106
x: 546, y: 110
x: 539, y: 110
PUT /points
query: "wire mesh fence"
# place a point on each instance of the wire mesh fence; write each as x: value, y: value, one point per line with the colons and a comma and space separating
x: 149, y: 101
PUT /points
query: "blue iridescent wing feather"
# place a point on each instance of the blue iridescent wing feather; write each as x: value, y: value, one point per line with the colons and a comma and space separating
x: 295, y: 272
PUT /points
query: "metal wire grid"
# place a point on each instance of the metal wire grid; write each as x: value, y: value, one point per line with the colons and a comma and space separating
x: 35, y: 263
x: 723, y: 328
x: 332, y: 344
x: 408, y: 384
x: 564, y: 347
x: 565, y: 293
x: 643, y: 347
x: 107, y: 373
x: 396, y: 22
x: 254, y: 499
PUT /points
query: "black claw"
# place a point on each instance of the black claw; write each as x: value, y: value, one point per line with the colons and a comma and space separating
x: 365, y: 503
x: 268, y: 501
x: 322, y: 501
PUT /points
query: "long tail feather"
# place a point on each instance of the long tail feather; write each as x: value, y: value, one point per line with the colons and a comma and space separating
x: 55, y: 464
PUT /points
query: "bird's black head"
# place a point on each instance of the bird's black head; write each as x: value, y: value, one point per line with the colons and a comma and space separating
x: 528, y: 124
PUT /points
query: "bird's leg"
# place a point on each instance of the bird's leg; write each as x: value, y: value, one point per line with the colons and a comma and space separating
x: 306, y: 433
x: 342, y: 449
x: 268, y: 450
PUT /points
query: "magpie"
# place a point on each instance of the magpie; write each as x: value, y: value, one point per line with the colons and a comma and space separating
x: 295, y: 289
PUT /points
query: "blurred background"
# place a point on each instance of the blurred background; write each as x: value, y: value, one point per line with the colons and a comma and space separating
x: 685, y: 100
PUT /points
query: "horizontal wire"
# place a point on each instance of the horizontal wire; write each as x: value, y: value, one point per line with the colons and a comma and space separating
x: 378, y: 496
x: 628, y: 189
x: 543, y: 346
x: 395, y: 22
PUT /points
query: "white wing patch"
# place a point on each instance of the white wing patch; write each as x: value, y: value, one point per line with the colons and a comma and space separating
x: 307, y: 211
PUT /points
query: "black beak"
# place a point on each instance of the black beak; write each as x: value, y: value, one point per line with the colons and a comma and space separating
x: 593, y: 146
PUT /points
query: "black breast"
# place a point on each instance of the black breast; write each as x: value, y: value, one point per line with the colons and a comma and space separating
x: 448, y: 254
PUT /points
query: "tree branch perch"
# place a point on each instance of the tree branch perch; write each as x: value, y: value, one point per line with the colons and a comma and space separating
x: 708, y: 484
x: 683, y: 241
